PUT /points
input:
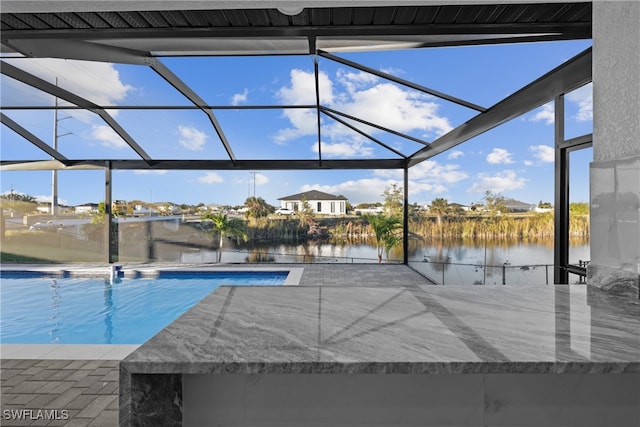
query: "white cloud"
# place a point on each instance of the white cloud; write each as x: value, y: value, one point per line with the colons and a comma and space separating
x: 393, y: 71
x: 47, y: 199
x: 303, y: 91
x: 260, y: 179
x: 455, y: 154
x: 344, y: 149
x: 544, y: 153
x: 192, y: 138
x: 499, y: 156
x: 545, y: 114
x: 428, y: 176
x: 390, y: 106
x: 240, y: 98
x: 369, y: 190
x: 425, y: 187
x: 107, y: 137
x: 584, y: 98
x: 98, y: 82
x: 354, y: 81
x: 359, y: 191
x: 498, y: 183
x: 304, y: 121
x: 390, y: 173
x: 361, y: 95
x: 210, y: 178
x: 433, y: 171
x: 528, y: 163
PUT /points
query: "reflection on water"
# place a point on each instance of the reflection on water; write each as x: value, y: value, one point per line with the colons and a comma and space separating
x: 109, y: 311
x: 492, y: 262
x: 56, y: 316
x: 452, y: 261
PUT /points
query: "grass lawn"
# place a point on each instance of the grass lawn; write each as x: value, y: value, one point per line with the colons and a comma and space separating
x: 22, y: 259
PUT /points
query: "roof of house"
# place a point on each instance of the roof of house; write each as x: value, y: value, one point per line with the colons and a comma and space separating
x: 511, y: 203
x: 313, y: 195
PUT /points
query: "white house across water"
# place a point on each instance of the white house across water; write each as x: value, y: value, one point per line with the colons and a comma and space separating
x: 320, y: 202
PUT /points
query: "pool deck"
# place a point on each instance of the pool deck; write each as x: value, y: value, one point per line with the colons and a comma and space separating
x: 353, y: 319
x: 83, y: 379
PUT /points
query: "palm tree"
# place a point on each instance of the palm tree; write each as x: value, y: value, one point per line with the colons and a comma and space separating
x: 258, y: 208
x: 390, y: 241
x: 305, y: 213
x: 384, y: 228
x: 225, y: 227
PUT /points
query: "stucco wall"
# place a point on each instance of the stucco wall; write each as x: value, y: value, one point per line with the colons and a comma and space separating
x: 616, y: 79
x: 339, y: 206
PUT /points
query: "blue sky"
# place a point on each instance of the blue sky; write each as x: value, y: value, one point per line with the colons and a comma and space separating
x: 515, y: 159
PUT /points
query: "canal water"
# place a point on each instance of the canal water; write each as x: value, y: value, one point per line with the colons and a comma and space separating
x: 457, y: 261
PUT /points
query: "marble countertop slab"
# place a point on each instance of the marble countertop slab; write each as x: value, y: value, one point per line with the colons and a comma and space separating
x: 413, y: 329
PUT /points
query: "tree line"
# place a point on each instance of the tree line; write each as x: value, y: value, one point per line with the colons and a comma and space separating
x: 443, y: 219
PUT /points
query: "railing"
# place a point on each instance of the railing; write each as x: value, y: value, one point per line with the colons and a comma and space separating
x: 452, y: 273
x: 580, y: 269
x: 440, y: 272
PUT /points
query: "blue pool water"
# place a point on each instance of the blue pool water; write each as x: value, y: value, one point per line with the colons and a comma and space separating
x: 43, y: 310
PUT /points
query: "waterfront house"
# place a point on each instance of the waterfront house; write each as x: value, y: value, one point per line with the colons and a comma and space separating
x: 376, y: 210
x: 86, y: 208
x: 457, y: 207
x: 320, y: 202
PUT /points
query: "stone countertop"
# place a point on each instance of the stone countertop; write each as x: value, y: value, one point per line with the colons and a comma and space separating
x: 413, y: 329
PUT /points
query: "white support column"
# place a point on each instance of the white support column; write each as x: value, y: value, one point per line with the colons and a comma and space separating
x: 615, y: 172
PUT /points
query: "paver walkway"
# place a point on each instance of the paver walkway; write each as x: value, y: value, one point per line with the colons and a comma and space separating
x: 76, y: 392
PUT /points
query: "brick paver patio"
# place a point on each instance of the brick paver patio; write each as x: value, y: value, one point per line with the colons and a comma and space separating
x: 84, y: 392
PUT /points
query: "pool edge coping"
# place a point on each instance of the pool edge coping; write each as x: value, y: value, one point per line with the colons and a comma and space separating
x: 133, y: 271
x: 67, y: 351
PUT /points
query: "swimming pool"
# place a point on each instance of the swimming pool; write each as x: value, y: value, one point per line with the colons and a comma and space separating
x: 38, y: 309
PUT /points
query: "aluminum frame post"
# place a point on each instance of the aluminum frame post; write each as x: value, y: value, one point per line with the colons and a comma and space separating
x: 561, y: 208
x: 108, y: 213
x: 405, y: 218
